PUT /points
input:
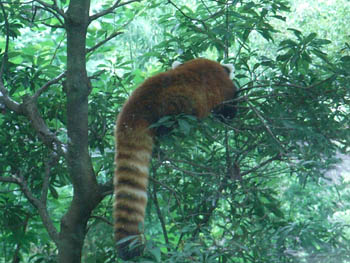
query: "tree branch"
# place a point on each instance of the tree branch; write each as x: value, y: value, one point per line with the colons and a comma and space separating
x: 4, y: 99
x: 211, y: 208
x: 103, y: 41
x: 185, y: 15
x: 275, y: 158
x: 41, y: 207
x: 116, y: 5
x: 16, y: 256
x: 53, y: 7
x: 5, y: 56
x: 104, y: 12
x: 103, y: 219
x: 168, y: 188
x: 53, y: 161
x: 7, y: 179
x: 55, y: 14
x: 29, y: 107
x: 47, y: 85
x: 42, y: 210
x: 266, y: 126
x: 30, y: 110
x: 106, y: 189
x: 159, y: 212
x: 291, y: 85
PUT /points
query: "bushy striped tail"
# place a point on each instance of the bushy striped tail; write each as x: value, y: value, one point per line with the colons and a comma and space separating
x: 133, y: 154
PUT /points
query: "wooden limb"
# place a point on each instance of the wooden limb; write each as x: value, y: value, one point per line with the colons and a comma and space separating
x: 37, y: 203
x: 266, y: 126
x: 111, y: 9
x: 47, y: 85
x: 159, y: 213
x: 29, y: 106
x: 111, y: 36
x: 53, y: 7
x: 275, y: 158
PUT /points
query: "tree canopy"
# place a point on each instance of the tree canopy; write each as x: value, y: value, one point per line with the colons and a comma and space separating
x: 271, y: 185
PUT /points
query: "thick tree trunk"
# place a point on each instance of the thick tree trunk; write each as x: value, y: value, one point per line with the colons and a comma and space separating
x: 86, y: 192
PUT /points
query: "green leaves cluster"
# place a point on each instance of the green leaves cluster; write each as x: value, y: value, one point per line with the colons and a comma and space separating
x: 298, y: 54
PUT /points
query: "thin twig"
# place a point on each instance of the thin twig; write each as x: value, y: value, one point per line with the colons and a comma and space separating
x: 291, y: 85
x: 184, y: 14
x: 28, y: 108
x: 40, y: 206
x: 53, y: 7
x: 47, y: 85
x: 7, y: 101
x: 116, y: 5
x: 159, y: 212
x: 105, y: 12
x: 58, y: 47
x: 5, y: 56
x: 55, y: 14
x: 52, y: 162
x: 168, y: 188
x: 7, y: 179
x: 103, y: 219
x: 103, y: 41
x: 275, y: 158
x: 266, y: 126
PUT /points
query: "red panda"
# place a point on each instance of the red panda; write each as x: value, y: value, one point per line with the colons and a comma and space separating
x: 196, y: 87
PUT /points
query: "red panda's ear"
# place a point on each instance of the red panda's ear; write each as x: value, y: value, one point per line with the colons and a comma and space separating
x: 229, y: 69
x: 175, y: 64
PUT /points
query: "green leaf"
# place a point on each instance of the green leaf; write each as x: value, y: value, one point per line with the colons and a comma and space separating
x: 284, y: 57
x: 288, y: 43
x: 53, y: 192
x: 156, y: 253
x: 266, y: 34
x: 296, y: 32
x: 16, y: 60
x: 322, y: 42
x: 241, y: 76
x: 309, y: 38
x: 320, y: 54
x: 184, y: 126
x: 345, y: 59
x: 280, y: 17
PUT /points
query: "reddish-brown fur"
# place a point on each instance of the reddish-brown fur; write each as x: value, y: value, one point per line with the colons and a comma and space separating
x: 196, y: 88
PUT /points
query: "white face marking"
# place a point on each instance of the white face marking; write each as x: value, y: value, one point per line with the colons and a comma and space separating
x: 175, y: 64
x: 231, y: 68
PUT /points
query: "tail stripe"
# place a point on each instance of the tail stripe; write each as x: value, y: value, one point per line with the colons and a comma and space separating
x: 133, y: 183
x: 129, y: 213
x: 133, y: 148
x: 142, y: 156
x: 125, y: 232
x: 125, y: 217
x: 132, y: 170
x: 140, y: 167
x: 130, y: 192
x: 125, y: 195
